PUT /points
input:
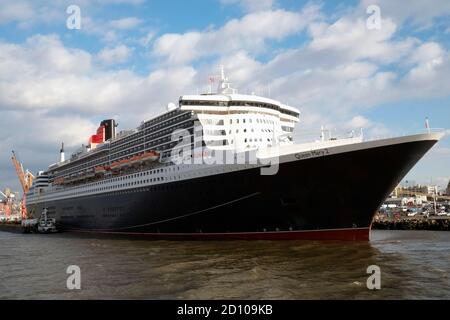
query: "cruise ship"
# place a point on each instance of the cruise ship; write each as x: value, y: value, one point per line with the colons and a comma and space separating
x: 224, y: 165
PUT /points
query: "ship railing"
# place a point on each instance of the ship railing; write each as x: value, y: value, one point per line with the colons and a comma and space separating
x: 107, y: 177
x: 304, y: 136
x: 405, y: 134
x: 309, y: 136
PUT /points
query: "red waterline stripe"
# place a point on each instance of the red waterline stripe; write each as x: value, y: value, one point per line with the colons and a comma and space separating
x: 362, y: 234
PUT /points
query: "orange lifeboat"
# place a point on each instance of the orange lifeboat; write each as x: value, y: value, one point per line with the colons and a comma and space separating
x: 59, y: 181
x: 119, y: 164
x: 135, y: 160
x: 100, y: 170
x: 124, y: 163
x: 150, y: 156
x: 114, y: 165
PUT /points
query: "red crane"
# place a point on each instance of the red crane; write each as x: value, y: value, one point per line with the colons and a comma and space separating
x: 26, y: 180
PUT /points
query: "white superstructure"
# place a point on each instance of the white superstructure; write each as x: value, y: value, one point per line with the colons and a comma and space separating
x: 239, y: 122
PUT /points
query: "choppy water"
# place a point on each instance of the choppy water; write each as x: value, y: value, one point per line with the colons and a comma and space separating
x: 414, y: 265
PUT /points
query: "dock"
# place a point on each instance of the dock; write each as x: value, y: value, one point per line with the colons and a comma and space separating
x: 432, y: 223
x: 11, y: 227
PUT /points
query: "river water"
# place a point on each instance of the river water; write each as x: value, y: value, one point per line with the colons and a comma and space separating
x: 414, y: 265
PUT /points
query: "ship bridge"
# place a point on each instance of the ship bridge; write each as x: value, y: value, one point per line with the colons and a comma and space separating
x: 240, y: 122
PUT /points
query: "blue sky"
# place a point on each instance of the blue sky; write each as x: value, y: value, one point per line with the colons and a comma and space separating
x: 132, y: 57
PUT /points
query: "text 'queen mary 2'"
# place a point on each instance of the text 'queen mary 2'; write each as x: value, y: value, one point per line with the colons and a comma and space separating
x: 224, y: 166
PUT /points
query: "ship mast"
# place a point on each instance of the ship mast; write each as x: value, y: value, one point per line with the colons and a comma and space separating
x: 224, y: 86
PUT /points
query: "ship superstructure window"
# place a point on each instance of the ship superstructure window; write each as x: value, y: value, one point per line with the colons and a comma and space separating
x: 203, y: 103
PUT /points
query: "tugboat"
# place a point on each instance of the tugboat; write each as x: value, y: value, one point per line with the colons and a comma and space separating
x: 46, y: 224
x: 42, y: 225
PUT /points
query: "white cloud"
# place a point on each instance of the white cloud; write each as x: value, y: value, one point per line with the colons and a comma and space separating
x: 146, y: 40
x: 109, y: 31
x: 249, y: 33
x: 15, y: 11
x: 426, y: 53
x: 115, y: 55
x: 125, y: 23
x: 43, y: 52
x: 57, y: 94
x: 419, y: 13
x: 25, y: 13
x: 42, y: 74
x: 251, y: 5
x: 351, y: 38
x: 359, y: 122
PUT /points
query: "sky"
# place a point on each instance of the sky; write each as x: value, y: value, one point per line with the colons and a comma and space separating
x: 377, y: 64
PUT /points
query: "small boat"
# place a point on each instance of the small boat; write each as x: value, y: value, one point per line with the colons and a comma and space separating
x: 59, y: 181
x: 101, y: 170
x: 135, y: 160
x: 46, y: 224
x: 150, y: 156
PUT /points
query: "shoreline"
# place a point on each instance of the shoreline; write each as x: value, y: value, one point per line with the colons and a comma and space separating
x: 431, y: 224
x: 10, y: 227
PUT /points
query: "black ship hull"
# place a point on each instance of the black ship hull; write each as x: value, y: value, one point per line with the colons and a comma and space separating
x: 328, y: 197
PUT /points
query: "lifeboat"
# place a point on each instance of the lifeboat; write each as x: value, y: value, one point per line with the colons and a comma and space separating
x: 124, y: 163
x: 115, y: 165
x: 135, y: 160
x: 150, y: 156
x: 100, y: 170
x: 59, y: 181
x: 119, y: 164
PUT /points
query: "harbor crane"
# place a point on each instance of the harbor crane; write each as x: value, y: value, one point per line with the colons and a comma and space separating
x: 26, y: 180
x: 8, y: 203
